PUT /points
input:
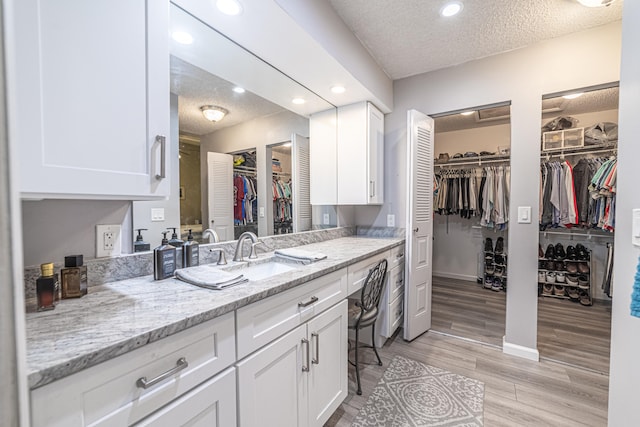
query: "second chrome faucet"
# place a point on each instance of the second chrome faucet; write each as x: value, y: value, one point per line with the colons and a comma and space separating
x: 238, y: 256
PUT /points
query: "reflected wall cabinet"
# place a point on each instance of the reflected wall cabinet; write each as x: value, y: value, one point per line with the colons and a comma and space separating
x: 89, y: 93
x: 355, y: 155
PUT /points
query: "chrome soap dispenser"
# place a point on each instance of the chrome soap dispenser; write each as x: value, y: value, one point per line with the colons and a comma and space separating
x: 190, y: 252
x: 164, y: 259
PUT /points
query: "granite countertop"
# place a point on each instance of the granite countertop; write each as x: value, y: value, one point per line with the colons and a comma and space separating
x: 118, y: 317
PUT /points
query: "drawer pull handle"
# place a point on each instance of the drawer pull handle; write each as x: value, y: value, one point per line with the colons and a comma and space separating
x: 308, y: 303
x: 316, y: 360
x: 400, y: 255
x: 180, y: 365
x: 399, y: 282
x: 305, y: 368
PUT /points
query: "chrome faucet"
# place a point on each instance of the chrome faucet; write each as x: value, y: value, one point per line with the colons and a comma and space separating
x: 211, y: 233
x: 246, y: 235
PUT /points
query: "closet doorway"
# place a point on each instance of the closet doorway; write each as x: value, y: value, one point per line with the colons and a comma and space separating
x: 471, y: 206
x: 577, y: 229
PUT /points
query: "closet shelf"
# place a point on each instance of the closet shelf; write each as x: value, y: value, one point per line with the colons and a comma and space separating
x: 581, y: 151
x: 478, y: 160
x: 580, y: 233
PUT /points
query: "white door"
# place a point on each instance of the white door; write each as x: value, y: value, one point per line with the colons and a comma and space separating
x: 300, y: 178
x: 419, y: 239
x: 212, y: 404
x: 328, y: 374
x: 220, y: 194
x: 272, y: 386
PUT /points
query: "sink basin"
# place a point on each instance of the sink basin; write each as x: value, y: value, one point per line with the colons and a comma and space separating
x: 263, y: 269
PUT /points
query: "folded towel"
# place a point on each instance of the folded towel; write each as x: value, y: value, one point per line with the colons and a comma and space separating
x: 210, y: 278
x: 306, y: 257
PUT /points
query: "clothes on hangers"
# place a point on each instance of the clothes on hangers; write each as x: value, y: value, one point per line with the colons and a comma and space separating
x: 282, y: 206
x: 245, y: 199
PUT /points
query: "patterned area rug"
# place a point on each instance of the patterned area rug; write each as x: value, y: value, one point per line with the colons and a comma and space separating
x: 412, y: 394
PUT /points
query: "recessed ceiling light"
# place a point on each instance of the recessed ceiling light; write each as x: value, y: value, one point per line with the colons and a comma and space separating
x: 467, y: 113
x: 182, y: 37
x: 451, y: 8
x: 298, y: 101
x: 229, y: 7
x: 595, y: 3
x: 239, y: 89
x: 572, y: 95
x: 338, y: 89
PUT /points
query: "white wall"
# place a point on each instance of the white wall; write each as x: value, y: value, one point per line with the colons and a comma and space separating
x: 487, y: 81
x: 487, y: 138
x: 625, y: 329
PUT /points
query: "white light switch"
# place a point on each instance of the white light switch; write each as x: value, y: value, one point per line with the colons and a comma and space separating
x: 524, y: 214
x: 261, y: 212
x: 391, y: 220
x: 635, y: 229
x: 157, y: 214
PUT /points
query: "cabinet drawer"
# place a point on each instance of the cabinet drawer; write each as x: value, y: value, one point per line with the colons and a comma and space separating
x: 393, y: 316
x: 396, y: 257
x: 357, y: 273
x: 109, y: 393
x: 266, y: 320
x: 395, y: 282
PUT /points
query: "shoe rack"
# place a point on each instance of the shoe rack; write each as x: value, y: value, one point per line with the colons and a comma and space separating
x: 495, y: 265
x: 566, y: 274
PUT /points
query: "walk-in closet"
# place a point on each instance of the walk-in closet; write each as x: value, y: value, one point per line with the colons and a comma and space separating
x: 578, y: 166
x: 471, y: 219
x: 245, y: 192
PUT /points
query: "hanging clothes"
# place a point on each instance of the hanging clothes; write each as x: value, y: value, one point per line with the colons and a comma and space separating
x: 245, y: 198
x: 282, y: 206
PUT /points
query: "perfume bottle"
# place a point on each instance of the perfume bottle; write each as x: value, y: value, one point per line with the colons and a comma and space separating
x: 47, y: 288
x: 73, y: 277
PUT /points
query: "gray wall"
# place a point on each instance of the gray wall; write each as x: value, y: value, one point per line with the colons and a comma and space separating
x: 490, y: 80
x: 625, y: 329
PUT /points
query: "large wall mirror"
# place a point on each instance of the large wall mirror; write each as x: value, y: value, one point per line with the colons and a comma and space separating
x: 249, y: 170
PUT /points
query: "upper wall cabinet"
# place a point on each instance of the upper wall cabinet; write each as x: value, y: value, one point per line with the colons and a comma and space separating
x: 354, y: 156
x: 89, y: 97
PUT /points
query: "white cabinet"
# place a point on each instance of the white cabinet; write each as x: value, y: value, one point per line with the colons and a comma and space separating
x: 112, y: 393
x: 89, y: 97
x: 391, y: 313
x: 355, y: 156
x: 299, y: 379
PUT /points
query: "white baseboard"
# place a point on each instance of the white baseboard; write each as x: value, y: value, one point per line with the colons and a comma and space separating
x: 520, y: 351
x: 455, y: 276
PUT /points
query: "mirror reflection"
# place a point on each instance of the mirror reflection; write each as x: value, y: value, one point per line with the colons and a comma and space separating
x: 241, y: 143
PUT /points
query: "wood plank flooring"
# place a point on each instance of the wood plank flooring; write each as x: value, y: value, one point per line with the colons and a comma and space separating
x: 557, y: 391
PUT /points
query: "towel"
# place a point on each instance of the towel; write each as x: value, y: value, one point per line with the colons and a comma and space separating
x: 210, y: 278
x: 293, y: 254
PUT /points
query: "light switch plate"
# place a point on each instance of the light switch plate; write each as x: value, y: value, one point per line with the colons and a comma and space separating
x: 635, y: 228
x: 524, y: 214
x: 391, y: 220
x: 157, y: 214
x: 261, y: 212
x: 108, y: 238
x: 325, y: 219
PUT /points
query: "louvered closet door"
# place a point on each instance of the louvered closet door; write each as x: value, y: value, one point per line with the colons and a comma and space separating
x: 300, y: 177
x: 419, y: 236
x: 220, y: 191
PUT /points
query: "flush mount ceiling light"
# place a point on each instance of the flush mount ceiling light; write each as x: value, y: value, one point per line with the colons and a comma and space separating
x: 239, y: 89
x: 572, y: 95
x: 450, y: 9
x: 595, y: 3
x: 298, y: 101
x: 229, y: 7
x: 338, y: 89
x: 213, y: 113
x: 467, y: 113
x: 182, y: 37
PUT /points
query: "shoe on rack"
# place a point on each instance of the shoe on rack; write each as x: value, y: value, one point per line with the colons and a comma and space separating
x: 582, y: 252
x: 572, y: 279
x: 583, y: 268
x: 542, y: 276
x: 488, y: 245
x: 499, y: 259
x: 488, y: 282
x: 560, y: 266
x: 550, y: 253
x: 583, y: 281
x: 573, y: 293
x: 558, y: 290
x: 585, y: 299
x: 499, y: 271
x: 488, y: 257
x: 540, y: 251
x: 499, y: 245
x: 489, y: 269
x: 542, y: 264
x: 551, y: 277
x: 572, y: 254
x: 559, y: 277
x: 572, y: 267
x: 547, y: 289
x: 560, y: 253
x: 551, y: 266
x: 497, y: 284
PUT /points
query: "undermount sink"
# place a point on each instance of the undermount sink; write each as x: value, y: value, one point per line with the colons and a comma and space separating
x: 263, y: 269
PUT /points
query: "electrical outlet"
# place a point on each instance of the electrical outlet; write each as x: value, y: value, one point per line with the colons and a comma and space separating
x: 325, y: 219
x: 108, y: 240
x: 391, y: 220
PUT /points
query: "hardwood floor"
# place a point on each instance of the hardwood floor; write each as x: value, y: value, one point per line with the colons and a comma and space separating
x: 568, y: 387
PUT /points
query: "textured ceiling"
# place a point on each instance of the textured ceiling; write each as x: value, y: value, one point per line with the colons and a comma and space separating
x: 589, y: 102
x: 408, y: 37
x: 196, y: 87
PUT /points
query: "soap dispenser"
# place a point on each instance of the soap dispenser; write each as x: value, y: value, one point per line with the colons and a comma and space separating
x: 140, y: 245
x: 174, y: 241
x: 190, y: 252
x: 164, y: 259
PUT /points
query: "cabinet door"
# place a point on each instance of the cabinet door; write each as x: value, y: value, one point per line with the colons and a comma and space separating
x: 272, y: 386
x: 328, y: 374
x: 323, y: 160
x: 212, y: 404
x: 89, y: 93
x: 375, y: 153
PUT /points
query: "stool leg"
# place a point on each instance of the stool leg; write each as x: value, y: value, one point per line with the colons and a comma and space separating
x: 357, y: 362
x: 373, y: 342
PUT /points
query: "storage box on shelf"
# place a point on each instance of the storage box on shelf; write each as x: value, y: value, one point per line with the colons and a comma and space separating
x: 566, y: 275
x: 559, y: 139
x: 495, y: 266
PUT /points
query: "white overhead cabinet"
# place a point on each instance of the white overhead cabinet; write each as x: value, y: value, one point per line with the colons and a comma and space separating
x: 356, y: 155
x: 89, y: 91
